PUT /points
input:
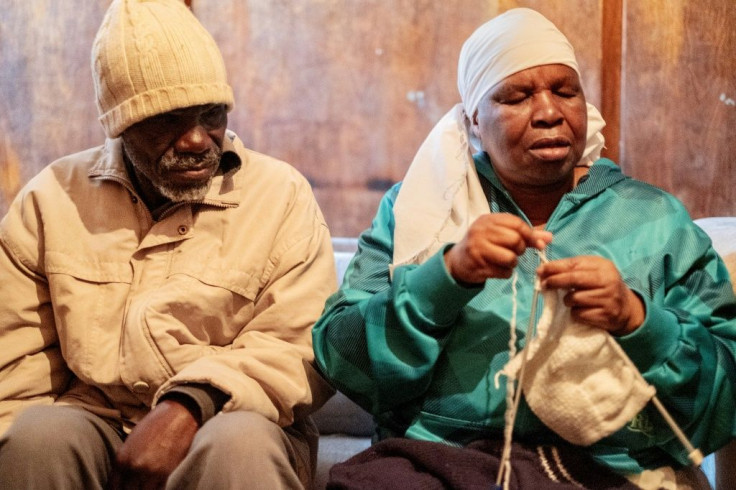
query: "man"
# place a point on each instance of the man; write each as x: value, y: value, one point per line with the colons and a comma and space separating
x: 159, y: 291
x: 433, y: 305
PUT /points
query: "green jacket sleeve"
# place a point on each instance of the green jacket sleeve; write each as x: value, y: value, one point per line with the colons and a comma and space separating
x: 687, y: 344
x: 378, y: 339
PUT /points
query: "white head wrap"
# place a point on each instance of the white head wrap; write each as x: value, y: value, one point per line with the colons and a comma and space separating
x: 441, y: 194
x: 514, y: 41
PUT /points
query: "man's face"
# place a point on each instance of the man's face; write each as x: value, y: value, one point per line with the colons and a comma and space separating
x: 533, y: 126
x: 178, y: 152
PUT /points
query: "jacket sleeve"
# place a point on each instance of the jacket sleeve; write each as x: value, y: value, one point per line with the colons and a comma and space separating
x: 379, y: 339
x: 32, y: 369
x: 268, y: 368
x: 687, y: 344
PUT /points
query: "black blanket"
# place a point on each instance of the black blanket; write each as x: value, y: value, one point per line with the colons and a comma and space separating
x: 405, y: 464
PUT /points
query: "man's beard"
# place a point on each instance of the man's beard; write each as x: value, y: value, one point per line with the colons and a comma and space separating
x: 177, y: 192
x: 157, y: 174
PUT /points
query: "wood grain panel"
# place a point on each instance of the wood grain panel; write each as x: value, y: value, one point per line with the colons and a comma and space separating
x: 345, y: 90
x: 47, y: 106
x: 610, y: 104
x: 678, y: 114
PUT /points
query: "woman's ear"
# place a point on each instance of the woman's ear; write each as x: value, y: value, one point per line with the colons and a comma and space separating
x: 474, y: 125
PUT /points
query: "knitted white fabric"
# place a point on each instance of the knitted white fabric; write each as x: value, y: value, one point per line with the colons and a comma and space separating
x: 441, y: 194
x: 153, y: 56
x: 578, y: 380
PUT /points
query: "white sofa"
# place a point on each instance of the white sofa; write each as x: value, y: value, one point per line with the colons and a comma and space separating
x: 346, y: 429
x: 722, y: 230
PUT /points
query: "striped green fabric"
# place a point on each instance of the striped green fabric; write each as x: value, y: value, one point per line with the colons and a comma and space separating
x: 420, y: 352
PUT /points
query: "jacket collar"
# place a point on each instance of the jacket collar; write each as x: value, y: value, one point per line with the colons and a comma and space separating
x: 602, y: 174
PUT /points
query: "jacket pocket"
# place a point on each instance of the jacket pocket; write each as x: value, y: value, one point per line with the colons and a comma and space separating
x: 198, y: 311
x: 88, y: 299
x: 218, y: 274
x: 433, y: 427
x: 88, y: 268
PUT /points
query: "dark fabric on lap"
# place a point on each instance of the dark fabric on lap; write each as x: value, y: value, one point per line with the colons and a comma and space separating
x: 407, y: 464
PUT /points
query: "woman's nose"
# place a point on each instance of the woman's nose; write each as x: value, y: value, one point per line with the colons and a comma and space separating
x: 546, y: 110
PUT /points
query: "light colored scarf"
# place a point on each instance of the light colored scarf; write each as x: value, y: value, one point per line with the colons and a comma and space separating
x: 441, y: 193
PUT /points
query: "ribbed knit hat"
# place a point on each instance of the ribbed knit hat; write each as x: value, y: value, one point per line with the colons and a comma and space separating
x: 153, y: 56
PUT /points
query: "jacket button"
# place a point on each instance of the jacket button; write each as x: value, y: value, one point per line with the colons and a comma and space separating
x: 140, y: 387
x: 183, y: 230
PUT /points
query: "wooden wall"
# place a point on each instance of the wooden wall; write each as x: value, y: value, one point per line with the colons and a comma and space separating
x: 346, y: 90
x: 47, y: 106
x: 678, y: 116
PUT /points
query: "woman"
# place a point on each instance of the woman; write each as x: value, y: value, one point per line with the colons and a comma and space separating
x: 420, y: 329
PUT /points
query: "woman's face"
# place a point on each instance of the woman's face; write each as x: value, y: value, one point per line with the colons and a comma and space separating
x: 533, y: 126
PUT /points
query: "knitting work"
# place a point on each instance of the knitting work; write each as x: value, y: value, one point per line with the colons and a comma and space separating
x: 578, y: 380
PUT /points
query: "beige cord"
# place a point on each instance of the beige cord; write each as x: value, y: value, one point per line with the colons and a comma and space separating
x: 513, y: 393
x: 504, y: 469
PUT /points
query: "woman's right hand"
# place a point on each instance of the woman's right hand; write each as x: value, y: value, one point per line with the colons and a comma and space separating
x: 491, y: 248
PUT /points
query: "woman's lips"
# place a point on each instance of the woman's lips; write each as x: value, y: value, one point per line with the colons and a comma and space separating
x: 551, y: 149
x: 551, y: 153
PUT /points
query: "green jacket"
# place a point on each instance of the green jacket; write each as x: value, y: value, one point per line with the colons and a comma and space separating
x: 420, y: 351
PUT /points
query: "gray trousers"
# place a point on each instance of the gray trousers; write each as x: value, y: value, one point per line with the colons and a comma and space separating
x: 63, y: 447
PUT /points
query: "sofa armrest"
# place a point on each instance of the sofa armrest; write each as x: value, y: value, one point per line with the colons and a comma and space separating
x: 722, y: 231
x: 342, y: 416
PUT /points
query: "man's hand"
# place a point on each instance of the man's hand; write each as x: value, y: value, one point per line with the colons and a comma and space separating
x: 491, y: 248
x: 154, y: 448
x: 598, y: 295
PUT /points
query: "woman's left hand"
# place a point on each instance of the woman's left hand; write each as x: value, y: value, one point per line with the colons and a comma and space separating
x: 597, y: 294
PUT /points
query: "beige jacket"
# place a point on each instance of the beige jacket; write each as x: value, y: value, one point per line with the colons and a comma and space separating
x: 101, y: 306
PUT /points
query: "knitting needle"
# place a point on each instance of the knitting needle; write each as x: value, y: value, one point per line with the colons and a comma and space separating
x: 693, y: 454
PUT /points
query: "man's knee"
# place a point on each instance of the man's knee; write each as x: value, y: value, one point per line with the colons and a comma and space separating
x: 243, y: 446
x: 238, y: 434
x: 42, y: 429
x: 57, y: 442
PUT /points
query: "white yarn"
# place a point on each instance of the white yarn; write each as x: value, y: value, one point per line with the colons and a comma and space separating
x: 580, y: 382
x: 510, y: 415
x: 513, y: 391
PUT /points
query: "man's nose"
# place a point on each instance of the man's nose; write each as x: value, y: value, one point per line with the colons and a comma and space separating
x: 194, y: 140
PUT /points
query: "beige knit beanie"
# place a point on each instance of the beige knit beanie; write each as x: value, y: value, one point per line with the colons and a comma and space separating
x: 151, y: 57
